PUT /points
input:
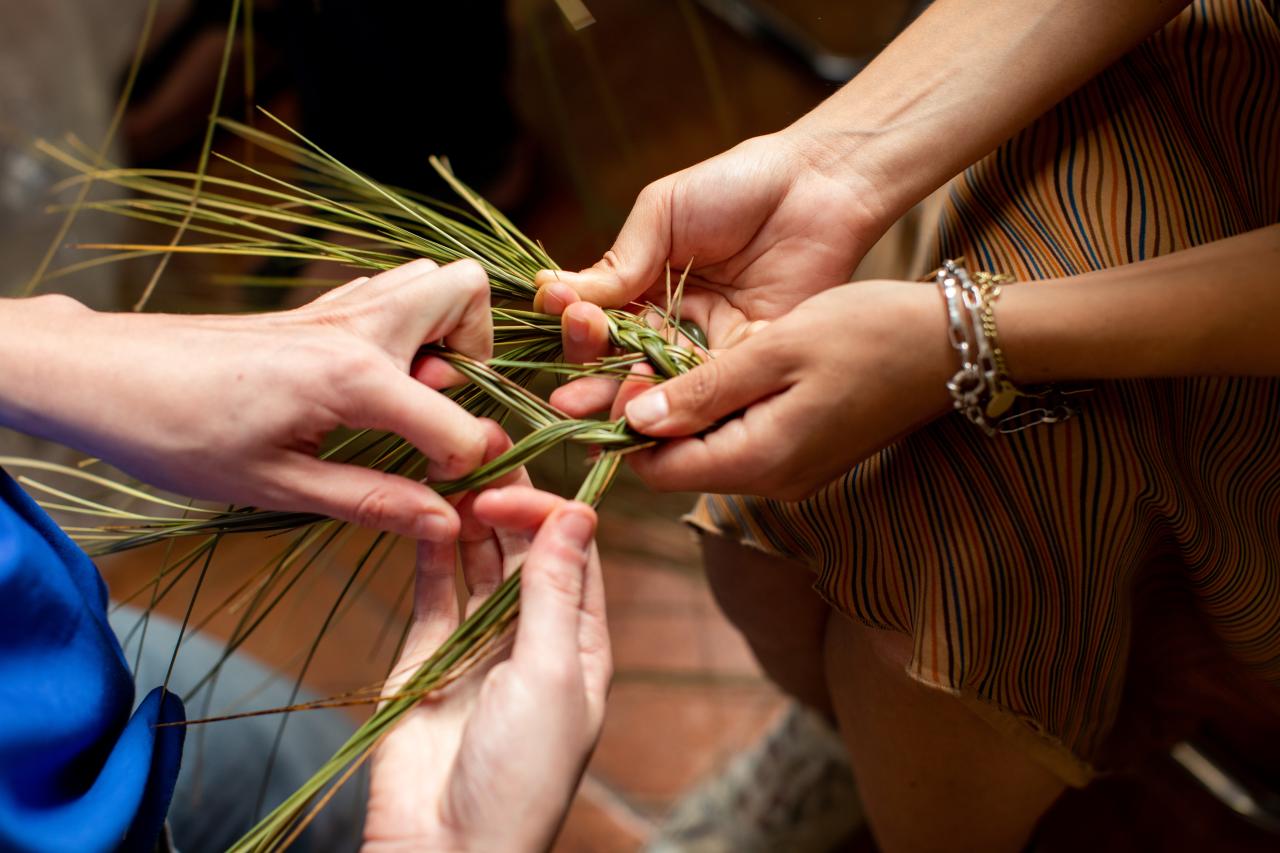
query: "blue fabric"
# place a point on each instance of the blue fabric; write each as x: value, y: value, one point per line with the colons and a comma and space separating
x: 78, y: 772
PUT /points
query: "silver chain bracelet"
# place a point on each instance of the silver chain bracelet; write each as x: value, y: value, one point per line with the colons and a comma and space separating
x: 981, y: 389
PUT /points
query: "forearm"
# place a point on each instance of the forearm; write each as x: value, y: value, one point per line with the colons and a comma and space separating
x: 85, y: 378
x: 40, y: 346
x: 967, y: 75
x: 1211, y: 310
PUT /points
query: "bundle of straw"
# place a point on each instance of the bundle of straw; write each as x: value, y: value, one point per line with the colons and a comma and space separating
x: 273, y: 216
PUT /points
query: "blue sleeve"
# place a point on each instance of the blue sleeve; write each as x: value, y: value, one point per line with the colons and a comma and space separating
x: 78, y: 771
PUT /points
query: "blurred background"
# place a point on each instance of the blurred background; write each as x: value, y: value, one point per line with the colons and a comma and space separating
x: 559, y: 112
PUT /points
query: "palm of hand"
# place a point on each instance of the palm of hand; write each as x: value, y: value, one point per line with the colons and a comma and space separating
x: 491, y: 761
x: 466, y: 755
x: 762, y: 241
x: 412, y: 768
x: 760, y: 232
x: 756, y: 224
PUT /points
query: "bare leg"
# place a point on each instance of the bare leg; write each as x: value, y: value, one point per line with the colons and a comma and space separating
x: 932, y: 775
x: 772, y: 602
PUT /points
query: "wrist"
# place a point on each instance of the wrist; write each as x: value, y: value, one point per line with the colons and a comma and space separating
x: 930, y: 345
x: 1043, y: 335
x: 909, y: 320
x: 818, y: 157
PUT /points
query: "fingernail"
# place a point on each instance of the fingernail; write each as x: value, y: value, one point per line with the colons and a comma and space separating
x: 648, y: 409
x: 577, y: 329
x: 576, y: 526
x: 434, y: 527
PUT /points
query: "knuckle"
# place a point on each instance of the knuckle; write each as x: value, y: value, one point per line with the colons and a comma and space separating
x: 376, y: 509
x: 788, y: 351
x: 559, y: 675
x: 466, y: 454
x: 421, y: 265
x: 558, y: 569
x: 560, y: 582
x: 482, y: 588
x: 701, y: 386
x: 611, y: 261
x: 359, y: 319
x: 347, y: 374
x: 594, y: 643
x: 653, y: 193
x: 472, y: 278
x: 476, y: 443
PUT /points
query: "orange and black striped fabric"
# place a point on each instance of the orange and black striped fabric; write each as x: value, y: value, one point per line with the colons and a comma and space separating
x: 1017, y: 563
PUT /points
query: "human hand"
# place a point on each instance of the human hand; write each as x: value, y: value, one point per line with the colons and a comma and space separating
x: 802, y: 399
x: 764, y: 225
x: 234, y: 408
x: 492, y: 761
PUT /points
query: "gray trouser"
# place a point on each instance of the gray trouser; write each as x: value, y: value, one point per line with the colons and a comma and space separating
x: 223, y: 763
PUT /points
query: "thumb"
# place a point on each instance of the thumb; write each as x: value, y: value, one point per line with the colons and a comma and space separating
x: 688, y: 404
x: 551, y: 589
x: 634, y: 264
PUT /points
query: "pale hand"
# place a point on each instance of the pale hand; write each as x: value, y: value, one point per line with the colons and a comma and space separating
x: 234, y: 408
x: 491, y: 763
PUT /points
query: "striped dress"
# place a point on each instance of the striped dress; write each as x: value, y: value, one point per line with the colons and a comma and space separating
x: 1021, y: 565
